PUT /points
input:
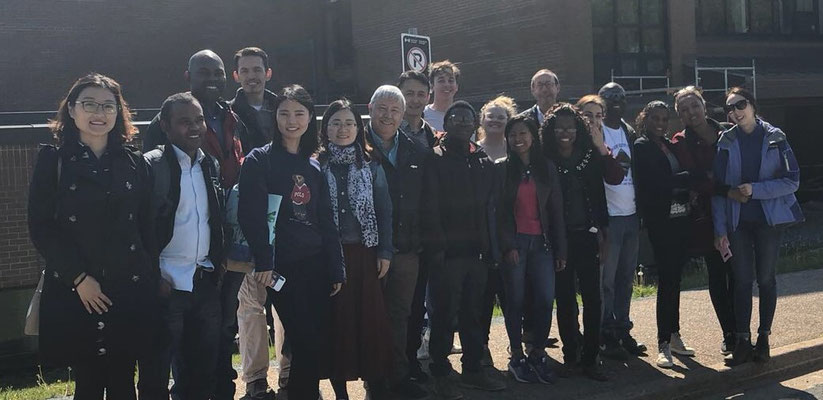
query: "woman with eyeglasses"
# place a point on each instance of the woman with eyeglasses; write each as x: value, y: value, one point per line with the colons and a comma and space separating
x: 532, y: 237
x: 89, y: 217
x: 663, y: 198
x: 695, y: 148
x: 583, y: 162
x: 362, y: 209
x: 306, y: 249
x: 759, y: 174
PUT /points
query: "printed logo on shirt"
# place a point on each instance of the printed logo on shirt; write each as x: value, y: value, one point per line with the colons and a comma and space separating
x: 300, y: 196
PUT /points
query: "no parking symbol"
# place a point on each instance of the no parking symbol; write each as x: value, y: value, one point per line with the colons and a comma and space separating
x: 416, y: 52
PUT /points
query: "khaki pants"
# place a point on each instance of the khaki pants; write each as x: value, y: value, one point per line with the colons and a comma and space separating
x: 254, y: 335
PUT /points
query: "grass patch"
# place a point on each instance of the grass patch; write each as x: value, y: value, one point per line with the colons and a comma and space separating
x: 36, y: 385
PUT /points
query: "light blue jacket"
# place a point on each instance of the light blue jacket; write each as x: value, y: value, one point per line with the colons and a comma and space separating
x: 779, y: 178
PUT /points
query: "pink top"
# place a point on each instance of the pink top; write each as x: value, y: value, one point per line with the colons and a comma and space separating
x: 525, y: 208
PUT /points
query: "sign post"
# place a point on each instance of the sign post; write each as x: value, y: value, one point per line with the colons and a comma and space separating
x: 416, y: 51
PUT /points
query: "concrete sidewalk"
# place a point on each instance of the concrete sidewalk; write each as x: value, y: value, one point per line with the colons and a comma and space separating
x: 797, y: 347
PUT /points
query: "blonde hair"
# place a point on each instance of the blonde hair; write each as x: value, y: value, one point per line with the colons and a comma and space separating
x: 591, y: 98
x: 505, y: 102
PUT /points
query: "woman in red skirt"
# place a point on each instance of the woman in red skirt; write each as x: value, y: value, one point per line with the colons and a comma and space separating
x: 361, y: 336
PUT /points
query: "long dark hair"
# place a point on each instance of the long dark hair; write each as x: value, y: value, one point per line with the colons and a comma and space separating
x: 583, y: 139
x: 359, y: 140
x: 309, y: 142
x: 63, y: 126
x: 516, y: 169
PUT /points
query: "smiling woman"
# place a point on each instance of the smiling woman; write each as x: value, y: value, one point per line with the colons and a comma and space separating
x: 98, y: 295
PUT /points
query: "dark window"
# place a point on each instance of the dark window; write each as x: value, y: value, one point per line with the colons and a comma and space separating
x: 629, y: 37
x: 759, y: 17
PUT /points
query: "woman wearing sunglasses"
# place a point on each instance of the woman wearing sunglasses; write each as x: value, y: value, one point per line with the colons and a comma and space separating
x: 89, y: 217
x: 759, y: 174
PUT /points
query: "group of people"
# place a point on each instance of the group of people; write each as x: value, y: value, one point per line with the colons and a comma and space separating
x: 359, y: 232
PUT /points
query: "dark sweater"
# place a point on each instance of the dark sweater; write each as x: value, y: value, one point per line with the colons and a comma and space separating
x: 305, y: 225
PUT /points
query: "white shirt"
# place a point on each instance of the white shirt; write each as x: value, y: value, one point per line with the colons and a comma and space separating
x: 434, y: 118
x: 620, y: 198
x: 541, y: 115
x: 189, y: 245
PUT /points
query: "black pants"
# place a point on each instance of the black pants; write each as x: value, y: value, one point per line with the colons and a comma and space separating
x: 456, y: 288
x: 225, y: 373
x: 417, y: 317
x: 494, y: 288
x: 188, y: 345
x: 304, y: 307
x: 721, y: 290
x: 113, y: 376
x: 583, y: 269
x: 668, y: 239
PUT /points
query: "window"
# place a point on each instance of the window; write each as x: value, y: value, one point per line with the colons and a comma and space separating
x: 759, y: 17
x: 629, y: 38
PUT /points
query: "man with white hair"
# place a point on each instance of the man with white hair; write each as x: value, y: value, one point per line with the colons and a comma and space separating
x: 403, y: 162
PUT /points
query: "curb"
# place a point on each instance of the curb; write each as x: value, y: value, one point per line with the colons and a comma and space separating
x: 787, y: 361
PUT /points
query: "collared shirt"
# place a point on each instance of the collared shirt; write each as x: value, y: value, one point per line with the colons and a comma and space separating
x: 541, y: 115
x: 391, y: 155
x: 215, y: 123
x: 189, y: 245
x: 417, y: 135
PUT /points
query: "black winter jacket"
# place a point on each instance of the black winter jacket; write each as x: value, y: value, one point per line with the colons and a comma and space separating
x: 406, y: 189
x: 458, y: 193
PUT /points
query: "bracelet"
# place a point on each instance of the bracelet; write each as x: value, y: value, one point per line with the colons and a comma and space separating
x: 85, y: 275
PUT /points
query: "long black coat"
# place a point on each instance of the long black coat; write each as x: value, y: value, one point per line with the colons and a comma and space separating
x: 95, y: 218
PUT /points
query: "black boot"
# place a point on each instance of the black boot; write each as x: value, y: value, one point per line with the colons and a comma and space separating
x: 742, y: 352
x: 761, y: 349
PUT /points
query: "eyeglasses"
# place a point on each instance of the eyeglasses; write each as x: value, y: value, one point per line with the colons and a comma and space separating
x: 545, y: 85
x: 340, y: 124
x: 93, y: 107
x: 740, y: 105
x: 567, y: 131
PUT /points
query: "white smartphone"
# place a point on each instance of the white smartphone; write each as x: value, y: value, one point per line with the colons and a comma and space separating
x: 277, y: 281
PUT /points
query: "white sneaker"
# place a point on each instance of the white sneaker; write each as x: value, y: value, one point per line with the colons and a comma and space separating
x: 678, y: 347
x: 664, y: 356
x: 423, y: 351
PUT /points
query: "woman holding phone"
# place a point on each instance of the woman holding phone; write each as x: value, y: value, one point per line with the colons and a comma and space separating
x: 759, y: 174
x: 307, y: 249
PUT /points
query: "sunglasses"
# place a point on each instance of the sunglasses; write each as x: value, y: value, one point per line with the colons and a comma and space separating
x: 740, y: 105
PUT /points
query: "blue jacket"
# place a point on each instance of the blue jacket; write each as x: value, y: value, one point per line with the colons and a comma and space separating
x: 779, y: 178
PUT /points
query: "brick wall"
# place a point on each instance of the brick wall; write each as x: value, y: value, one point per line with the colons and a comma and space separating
x: 500, y: 44
x: 19, y: 262
x: 145, y: 44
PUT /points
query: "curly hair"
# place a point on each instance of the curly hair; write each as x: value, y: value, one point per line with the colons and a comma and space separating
x: 309, y: 142
x: 640, y: 122
x: 63, y: 126
x: 505, y: 102
x: 583, y: 140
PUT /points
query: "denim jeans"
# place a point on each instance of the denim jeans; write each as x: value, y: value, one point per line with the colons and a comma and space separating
x: 618, y: 274
x: 188, y: 345
x: 456, y: 289
x: 535, y: 269
x: 582, y: 268
x: 668, y: 240
x: 755, y: 248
